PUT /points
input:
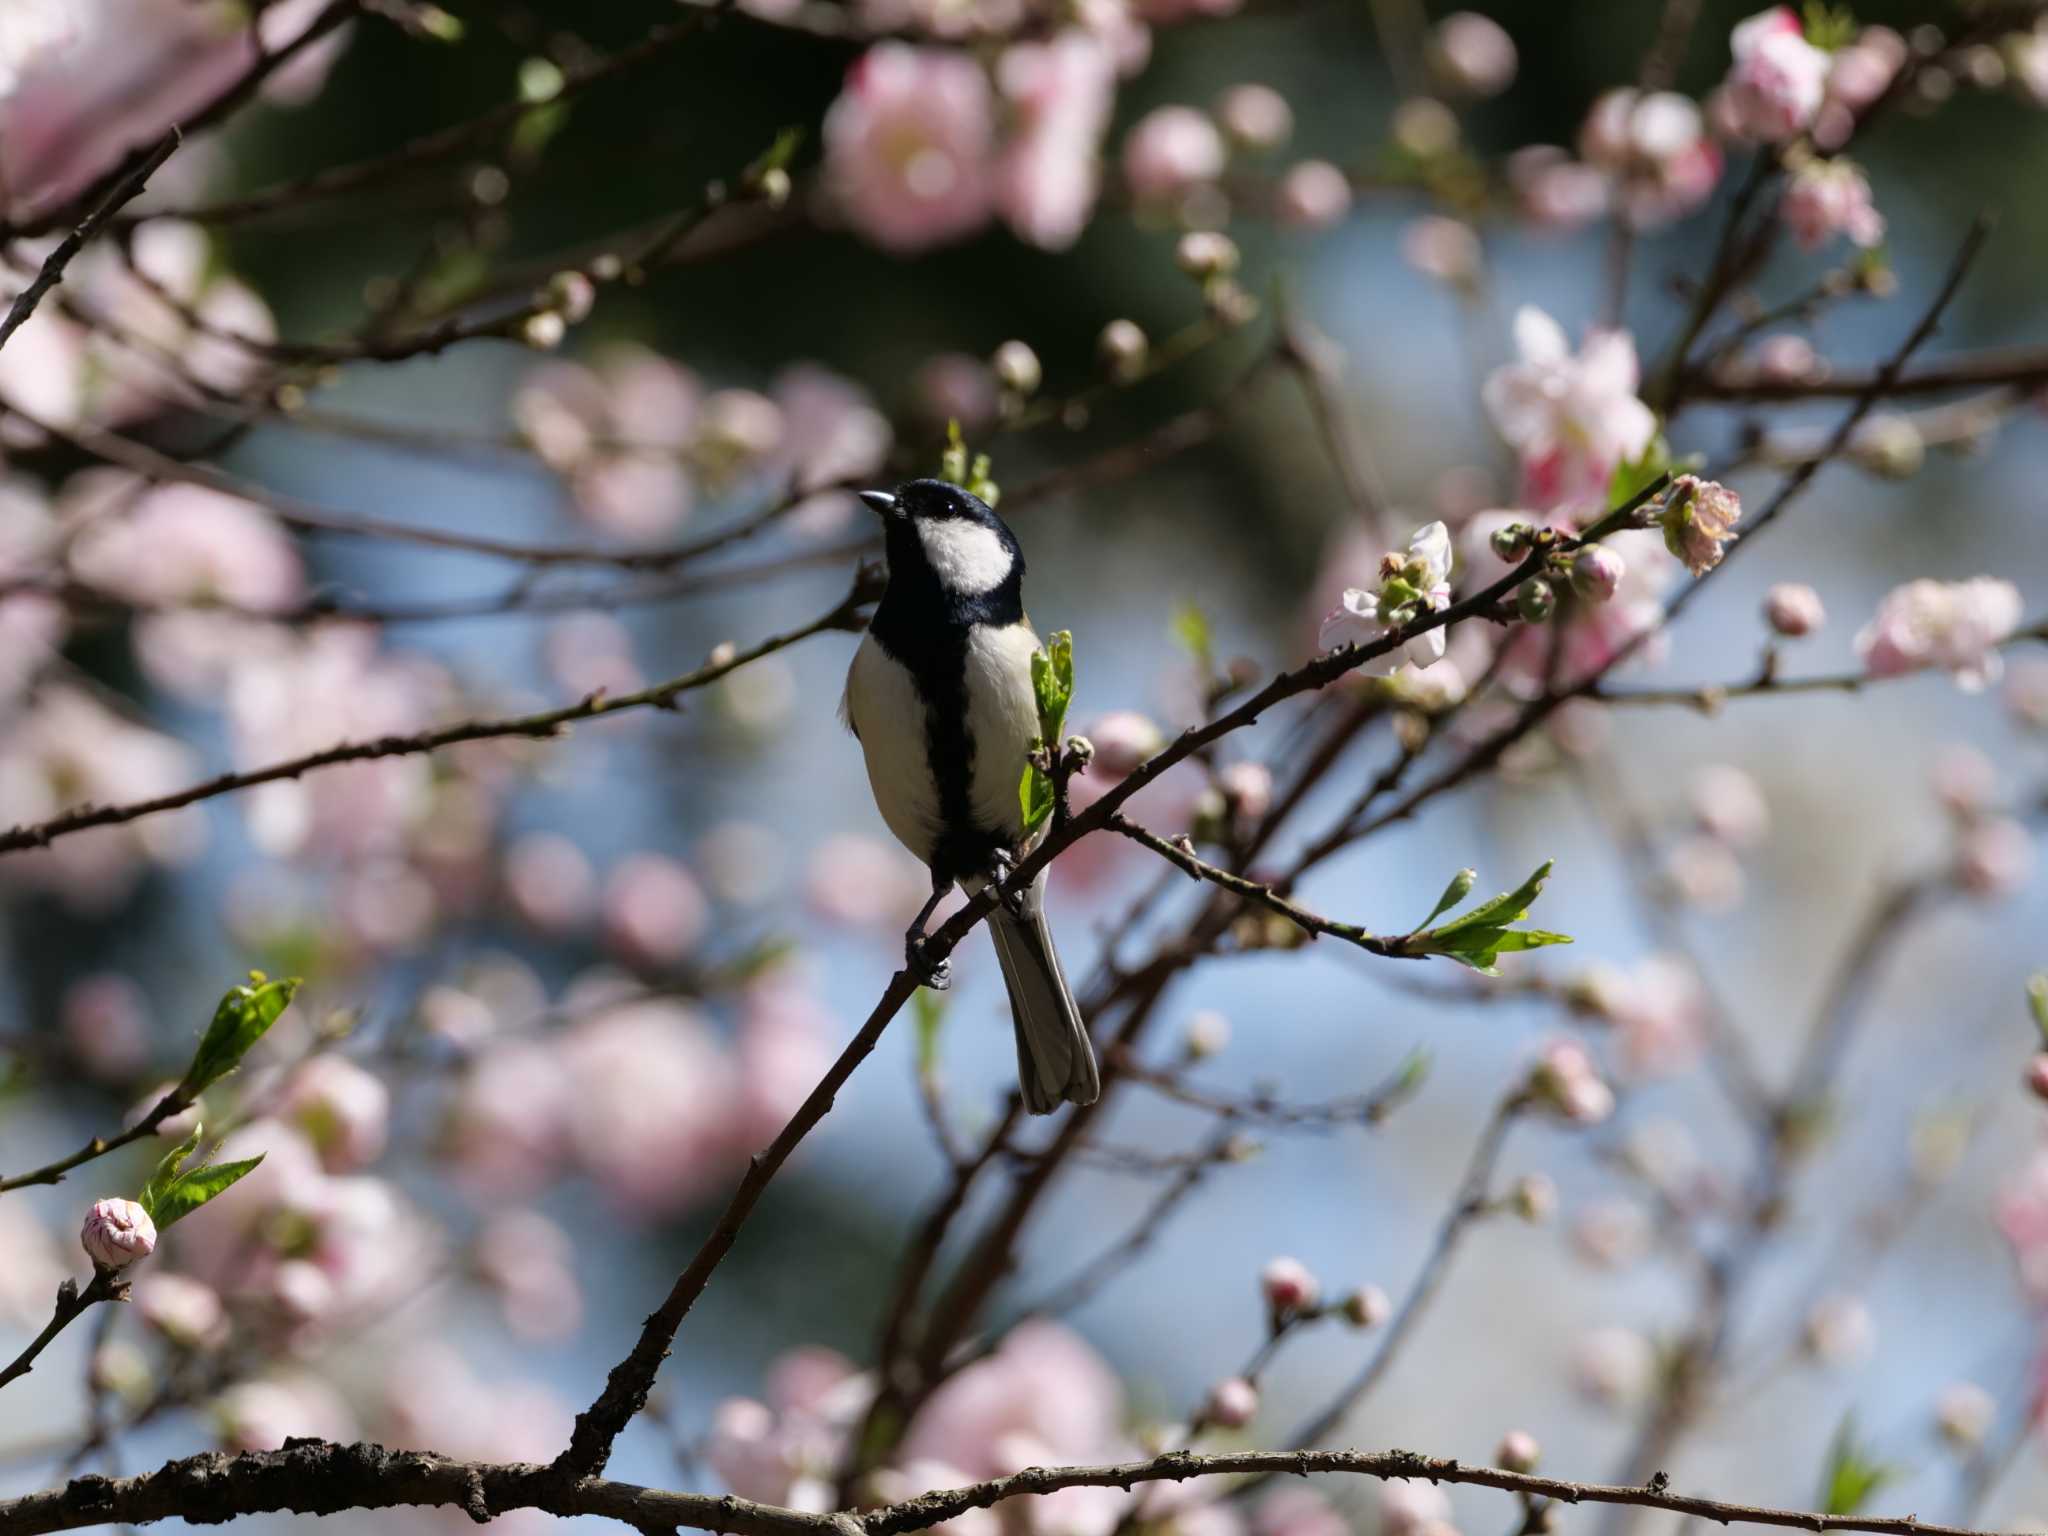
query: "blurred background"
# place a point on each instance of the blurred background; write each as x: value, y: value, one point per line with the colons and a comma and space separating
x: 589, y: 974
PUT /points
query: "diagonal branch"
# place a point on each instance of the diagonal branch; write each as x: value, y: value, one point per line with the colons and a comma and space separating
x: 52, y: 271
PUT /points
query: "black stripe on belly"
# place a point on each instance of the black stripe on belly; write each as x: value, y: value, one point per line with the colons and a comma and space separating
x: 936, y: 656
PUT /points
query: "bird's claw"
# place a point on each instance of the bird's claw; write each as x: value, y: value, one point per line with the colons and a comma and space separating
x: 1001, y: 867
x: 936, y: 974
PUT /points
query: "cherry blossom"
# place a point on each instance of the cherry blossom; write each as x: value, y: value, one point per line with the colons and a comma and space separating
x: 1826, y: 198
x: 1411, y: 586
x: 1778, y: 79
x: 909, y: 146
x: 1571, y: 417
x: 1956, y: 626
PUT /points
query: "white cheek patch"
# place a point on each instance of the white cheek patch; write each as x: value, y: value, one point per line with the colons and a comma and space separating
x: 968, y: 558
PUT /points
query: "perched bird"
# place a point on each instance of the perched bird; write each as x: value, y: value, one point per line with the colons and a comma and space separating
x: 941, y: 700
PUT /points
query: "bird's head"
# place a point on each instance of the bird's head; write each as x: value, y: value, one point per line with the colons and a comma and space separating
x: 937, y: 531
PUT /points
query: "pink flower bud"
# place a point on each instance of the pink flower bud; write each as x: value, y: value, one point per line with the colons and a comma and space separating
x: 1597, y: 572
x: 1256, y: 116
x: 1471, y: 55
x: 1017, y: 368
x: 1444, y: 249
x: 183, y: 1310
x: 1517, y: 1452
x: 1964, y: 780
x: 1728, y: 805
x: 1123, y: 739
x: 1248, y: 787
x: 117, y: 1233
x: 654, y: 910
x: 1787, y: 359
x: 1793, y: 609
x: 1208, y: 1034
x: 1993, y: 858
x: 1566, y: 1080
x: 1288, y: 1285
x: 1313, y: 194
x: 1368, y: 1307
x: 1122, y: 347
x: 1411, y: 1506
x: 1533, y: 1197
x: 1839, y: 1330
x: 2037, y: 1076
x: 344, y: 1111
x: 1204, y: 253
x: 1963, y: 1413
x: 1233, y: 1403
x: 1614, y: 1365
x: 1171, y: 151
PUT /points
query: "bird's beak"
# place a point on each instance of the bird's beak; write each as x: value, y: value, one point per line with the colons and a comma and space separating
x: 880, y: 501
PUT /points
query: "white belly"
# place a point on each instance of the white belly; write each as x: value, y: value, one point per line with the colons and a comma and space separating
x: 887, y: 714
x: 1002, y: 717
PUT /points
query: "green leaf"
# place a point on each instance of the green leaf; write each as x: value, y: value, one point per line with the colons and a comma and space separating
x: 243, y: 1017
x: 2037, y: 1002
x: 1509, y: 907
x: 166, y: 1173
x: 192, y: 1189
x: 1481, y: 936
x: 1459, y: 888
x: 1632, y: 475
x: 928, y: 1010
x: 1052, y: 687
x: 1191, y: 628
x: 1852, y: 1474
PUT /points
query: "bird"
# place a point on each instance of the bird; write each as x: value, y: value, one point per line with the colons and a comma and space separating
x: 940, y: 697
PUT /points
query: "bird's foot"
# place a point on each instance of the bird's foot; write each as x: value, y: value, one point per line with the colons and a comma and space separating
x: 1000, y: 867
x: 936, y: 974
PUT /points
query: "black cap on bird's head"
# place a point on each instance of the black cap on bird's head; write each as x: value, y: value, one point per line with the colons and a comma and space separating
x: 946, y: 537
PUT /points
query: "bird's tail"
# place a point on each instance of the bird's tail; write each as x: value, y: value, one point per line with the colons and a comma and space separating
x: 1055, y: 1059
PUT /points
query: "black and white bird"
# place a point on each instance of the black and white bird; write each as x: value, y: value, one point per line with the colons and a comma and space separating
x: 941, y: 700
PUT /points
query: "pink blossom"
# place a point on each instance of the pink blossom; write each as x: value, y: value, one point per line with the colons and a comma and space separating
x: 1518, y: 1451
x: 833, y: 437
x: 1793, y: 609
x: 1043, y: 1385
x: 1412, y: 586
x: 1367, y: 1307
x: 1614, y: 1365
x: 1555, y: 191
x: 1472, y: 54
x: 1060, y: 93
x: 185, y: 1311
x: 1656, y: 147
x: 908, y: 146
x: 117, y: 1233
x: 655, y: 912
x: 862, y: 882
x: 1956, y: 625
x: 1612, y: 1234
x: 1839, y: 1330
x: 1964, y: 780
x: 1702, y: 872
x: 1297, y: 1511
x: 1233, y: 1403
x: 1964, y: 1412
x: 1169, y: 152
x: 1256, y: 116
x: 781, y: 1053
x: 1659, y: 1013
x: 106, y: 1025
x: 1571, y: 417
x: 262, y: 1415
x: 549, y: 881
x: 529, y: 1264
x: 434, y: 1401
x: 1313, y: 194
x: 1776, y: 84
x: 1122, y: 739
x: 67, y: 749
x: 34, y: 30
x: 787, y: 1450
x: 2026, y: 693
x: 507, y: 1124
x: 1994, y: 857
x: 1413, y: 1506
x: 1248, y: 788
x: 344, y: 1110
x: 1826, y: 198
x: 1727, y: 804
x: 1445, y: 249
x: 1567, y: 1080
x: 651, y: 1104
x: 2022, y: 1216
x: 1787, y: 359
x: 1597, y: 573
x: 1288, y: 1286
x: 1699, y: 519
